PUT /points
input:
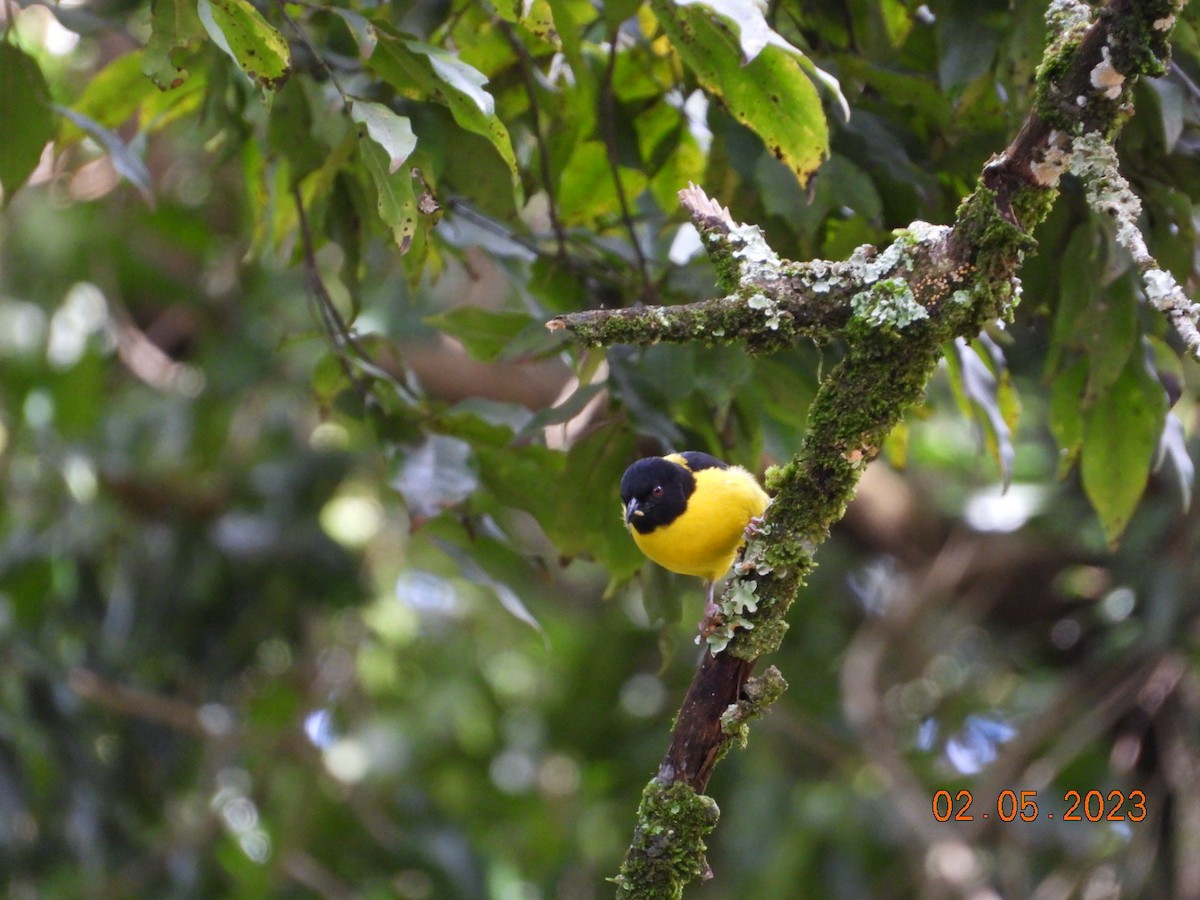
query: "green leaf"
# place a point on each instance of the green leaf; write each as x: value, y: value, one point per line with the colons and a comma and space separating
x: 361, y: 30
x: 1120, y: 433
x: 394, y: 198
x: 970, y: 40
x: 1109, y: 334
x: 617, y: 11
x: 456, y: 74
x: 526, y: 478
x: 27, y: 123
x: 587, y: 191
x: 483, y: 332
x: 769, y: 92
x: 174, y: 25
x: 538, y: 17
x: 391, y: 131
x: 1066, y: 415
x: 430, y: 73
x: 249, y: 40
x: 589, y: 503
x: 1101, y: 321
x: 570, y: 16
x: 754, y: 34
x: 564, y: 411
x: 290, y: 131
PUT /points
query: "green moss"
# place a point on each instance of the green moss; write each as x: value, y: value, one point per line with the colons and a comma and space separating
x: 668, y: 843
x: 1136, y: 46
x: 1048, y: 101
x: 728, y: 269
x: 765, y: 638
x: 1031, y: 205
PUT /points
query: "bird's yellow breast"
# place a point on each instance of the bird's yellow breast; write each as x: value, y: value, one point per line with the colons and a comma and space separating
x: 704, y: 539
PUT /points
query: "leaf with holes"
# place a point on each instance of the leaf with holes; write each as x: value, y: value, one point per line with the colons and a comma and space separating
x: 174, y: 26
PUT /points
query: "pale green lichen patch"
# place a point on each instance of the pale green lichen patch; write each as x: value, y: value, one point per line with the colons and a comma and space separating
x: 888, y: 306
x: 1068, y: 17
x: 873, y: 264
x: 1094, y: 162
x: 753, y: 246
x: 923, y: 232
x: 739, y: 600
x: 772, y: 311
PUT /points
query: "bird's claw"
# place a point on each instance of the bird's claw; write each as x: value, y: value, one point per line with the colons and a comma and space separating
x: 752, y: 527
x: 713, y: 621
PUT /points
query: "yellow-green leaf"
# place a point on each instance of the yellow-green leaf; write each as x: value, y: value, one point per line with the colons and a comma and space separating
x: 174, y: 24
x: 587, y: 191
x: 250, y: 40
x: 485, y: 333
x: 769, y: 92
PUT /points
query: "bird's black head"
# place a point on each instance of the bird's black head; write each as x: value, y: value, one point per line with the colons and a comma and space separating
x: 654, y: 492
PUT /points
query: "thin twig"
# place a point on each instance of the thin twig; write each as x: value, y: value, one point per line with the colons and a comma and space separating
x: 331, y: 320
x: 608, y: 118
x: 130, y: 701
x: 304, y: 39
x: 525, y: 66
x: 592, y: 268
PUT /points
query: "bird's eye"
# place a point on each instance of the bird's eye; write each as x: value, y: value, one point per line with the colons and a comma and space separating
x: 657, y: 492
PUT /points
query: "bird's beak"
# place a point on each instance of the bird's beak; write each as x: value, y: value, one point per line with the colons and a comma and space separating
x: 632, y: 510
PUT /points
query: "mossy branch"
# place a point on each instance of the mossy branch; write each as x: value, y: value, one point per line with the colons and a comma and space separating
x: 895, y: 310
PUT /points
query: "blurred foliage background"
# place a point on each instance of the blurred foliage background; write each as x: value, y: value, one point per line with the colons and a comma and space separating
x: 312, y: 580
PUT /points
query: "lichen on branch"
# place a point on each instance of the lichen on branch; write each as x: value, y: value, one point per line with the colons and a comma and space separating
x: 1094, y: 162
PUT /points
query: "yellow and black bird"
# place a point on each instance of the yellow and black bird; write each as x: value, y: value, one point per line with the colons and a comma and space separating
x: 689, y: 512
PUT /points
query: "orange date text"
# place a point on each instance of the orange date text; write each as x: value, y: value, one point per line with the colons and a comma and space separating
x: 1009, y: 806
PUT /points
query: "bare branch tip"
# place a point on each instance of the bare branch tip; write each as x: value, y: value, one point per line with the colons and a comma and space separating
x: 556, y: 324
x: 705, y: 212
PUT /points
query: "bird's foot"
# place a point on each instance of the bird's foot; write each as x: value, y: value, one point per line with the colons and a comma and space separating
x: 713, y: 621
x: 752, y: 527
